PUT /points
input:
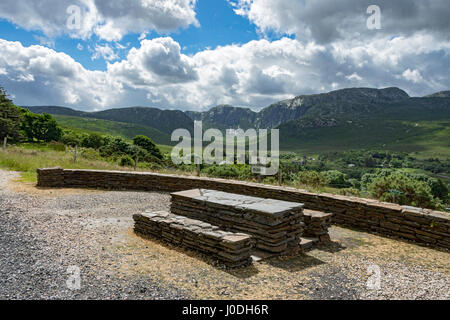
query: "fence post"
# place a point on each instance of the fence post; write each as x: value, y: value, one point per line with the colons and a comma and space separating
x: 280, y: 176
x: 4, y: 143
x: 136, y: 162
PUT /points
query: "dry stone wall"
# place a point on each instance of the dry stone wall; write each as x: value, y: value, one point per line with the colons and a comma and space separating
x: 420, y: 225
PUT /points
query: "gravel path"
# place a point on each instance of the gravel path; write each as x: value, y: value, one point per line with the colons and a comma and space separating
x: 44, y: 232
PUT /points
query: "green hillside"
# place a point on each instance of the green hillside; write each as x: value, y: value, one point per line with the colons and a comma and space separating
x: 126, y: 130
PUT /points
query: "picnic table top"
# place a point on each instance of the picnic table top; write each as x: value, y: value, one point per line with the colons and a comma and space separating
x: 270, y: 206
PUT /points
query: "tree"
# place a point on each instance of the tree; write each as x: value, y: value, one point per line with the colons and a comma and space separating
x: 147, y: 144
x: 312, y: 178
x: 10, y: 118
x: 336, y: 179
x: 401, y: 188
x: 41, y: 127
x: 71, y: 138
x: 94, y: 141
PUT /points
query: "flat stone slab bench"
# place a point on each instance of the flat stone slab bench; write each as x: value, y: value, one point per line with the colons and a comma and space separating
x: 232, y: 249
x: 317, y: 224
x: 275, y: 225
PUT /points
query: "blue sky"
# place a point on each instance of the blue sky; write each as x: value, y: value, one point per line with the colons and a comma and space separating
x: 200, y: 53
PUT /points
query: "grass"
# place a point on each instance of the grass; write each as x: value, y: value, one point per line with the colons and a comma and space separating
x: 27, y: 160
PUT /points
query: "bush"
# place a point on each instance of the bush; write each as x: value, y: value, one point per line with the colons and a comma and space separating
x: 71, y: 138
x: 353, y: 192
x: 400, y: 188
x: 147, y: 144
x: 235, y: 171
x: 336, y: 179
x: 312, y: 178
x: 126, y: 161
x: 94, y: 141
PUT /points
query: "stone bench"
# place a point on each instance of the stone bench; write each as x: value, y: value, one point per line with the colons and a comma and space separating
x: 232, y: 249
x: 317, y: 224
x: 276, y: 226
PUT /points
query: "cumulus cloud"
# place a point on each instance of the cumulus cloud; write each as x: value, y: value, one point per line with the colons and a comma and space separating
x: 37, y: 74
x: 110, y: 20
x: 412, y: 75
x: 155, y: 63
x: 326, y: 21
x: 254, y: 74
x: 105, y: 52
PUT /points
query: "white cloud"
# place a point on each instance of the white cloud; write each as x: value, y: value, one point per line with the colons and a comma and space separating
x: 105, y: 52
x: 328, y: 21
x: 254, y: 74
x: 110, y: 20
x: 412, y: 75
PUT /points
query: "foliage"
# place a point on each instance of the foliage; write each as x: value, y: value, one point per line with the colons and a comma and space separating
x: 235, y: 171
x: 312, y: 178
x: 147, y: 144
x: 71, y: 138
x: 336, y: 179
x: 126, y: 161
x: 93, y: 140
x: 10, y: 119
x: 401, y: 188
x: 41, y: 127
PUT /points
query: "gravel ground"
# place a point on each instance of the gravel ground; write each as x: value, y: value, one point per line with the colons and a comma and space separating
x: 44, y: 232
x: 41, y: 237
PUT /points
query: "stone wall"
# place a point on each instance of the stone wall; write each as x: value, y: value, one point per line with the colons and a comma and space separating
x: 415, y: 224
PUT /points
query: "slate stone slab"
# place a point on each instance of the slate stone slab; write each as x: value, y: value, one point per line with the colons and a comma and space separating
x: 275, y: 225
x: 232, y: 249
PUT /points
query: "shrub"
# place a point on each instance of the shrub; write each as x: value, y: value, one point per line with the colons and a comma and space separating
x: 353, y: 192
x: 400, y: 188
x: 126, y: 161
x: 312, y: 178
x: 235, y: 171
x: 147, y: 144
x: 336, y: 179
x: 94, y: 141
x: 71, y: 138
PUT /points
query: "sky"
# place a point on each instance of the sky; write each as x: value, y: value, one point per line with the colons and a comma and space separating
x: 196, y: 54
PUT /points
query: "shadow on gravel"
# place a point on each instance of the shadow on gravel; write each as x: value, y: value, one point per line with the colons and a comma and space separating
x: 295, y: 263
x: 241, y: 273
x: 331, y: 247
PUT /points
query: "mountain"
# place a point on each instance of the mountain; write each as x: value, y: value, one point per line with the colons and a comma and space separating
x: 359, y: 100
x: 165, y: 121
x: 442, y: 94
x: 327, y: 105
x: 225, y: 117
